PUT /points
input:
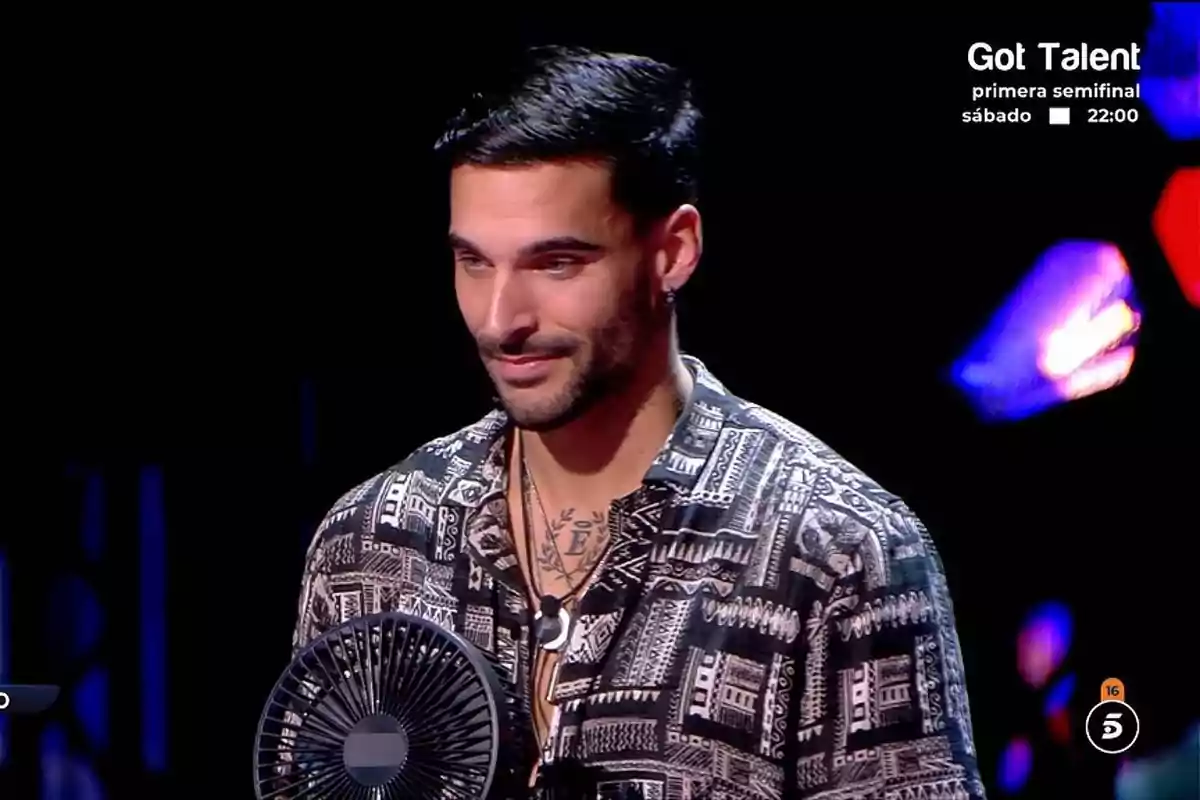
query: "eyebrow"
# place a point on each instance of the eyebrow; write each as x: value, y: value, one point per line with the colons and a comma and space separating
x: 541, y: 247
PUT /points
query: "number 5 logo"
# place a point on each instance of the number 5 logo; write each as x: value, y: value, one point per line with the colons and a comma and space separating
x: 1112, y: 728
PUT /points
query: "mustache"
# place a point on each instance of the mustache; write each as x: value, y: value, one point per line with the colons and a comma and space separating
x: 548, y: 346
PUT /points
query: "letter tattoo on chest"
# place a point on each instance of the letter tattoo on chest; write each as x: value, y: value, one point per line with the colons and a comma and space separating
x: 573, y: 543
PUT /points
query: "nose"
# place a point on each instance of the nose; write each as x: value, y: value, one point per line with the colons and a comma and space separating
x: 510, y: 307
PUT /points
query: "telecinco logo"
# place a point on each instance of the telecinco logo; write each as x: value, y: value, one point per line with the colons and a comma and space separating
x: 1112, y: 726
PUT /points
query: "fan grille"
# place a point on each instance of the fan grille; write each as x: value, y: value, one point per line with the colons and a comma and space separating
x: 388, y: 706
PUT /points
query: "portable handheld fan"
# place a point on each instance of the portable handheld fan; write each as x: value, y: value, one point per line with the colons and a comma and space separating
x: 391, y: 706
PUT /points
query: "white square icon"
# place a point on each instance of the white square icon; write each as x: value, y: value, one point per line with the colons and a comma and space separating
x: 1060, y: 116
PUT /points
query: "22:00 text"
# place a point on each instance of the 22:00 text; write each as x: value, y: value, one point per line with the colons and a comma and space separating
x: 1112, y: 115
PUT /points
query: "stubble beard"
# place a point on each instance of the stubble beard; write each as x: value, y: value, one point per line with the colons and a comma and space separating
x: 600, y: 369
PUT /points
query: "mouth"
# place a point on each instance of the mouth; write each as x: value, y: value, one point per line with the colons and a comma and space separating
x: 523, y: 370
x: 523, y: 359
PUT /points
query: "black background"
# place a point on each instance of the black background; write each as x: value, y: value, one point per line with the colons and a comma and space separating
x: 213, y: 211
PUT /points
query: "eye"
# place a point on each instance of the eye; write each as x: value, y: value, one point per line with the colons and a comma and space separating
x: 560, y: 265
x: 469, y: 262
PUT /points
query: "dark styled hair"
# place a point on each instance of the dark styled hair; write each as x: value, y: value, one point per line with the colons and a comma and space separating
x: 630, y: 112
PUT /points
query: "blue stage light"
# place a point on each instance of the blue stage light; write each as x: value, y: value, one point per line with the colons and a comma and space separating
x: 1170, y: 74
x: 1058, y: 696
x: 153, y: 567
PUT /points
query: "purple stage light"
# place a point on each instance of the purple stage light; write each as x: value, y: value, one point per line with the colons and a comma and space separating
x: 1043, y: 643
x: 1067, y: 332
x: 1170, y: 74
x: 1016, y: 763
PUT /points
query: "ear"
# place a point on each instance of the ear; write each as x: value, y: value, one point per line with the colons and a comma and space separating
x: 682, y: 244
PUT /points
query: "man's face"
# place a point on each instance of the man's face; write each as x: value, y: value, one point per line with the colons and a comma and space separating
x: 553, y: 284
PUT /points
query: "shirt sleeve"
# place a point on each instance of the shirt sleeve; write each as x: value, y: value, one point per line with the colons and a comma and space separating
x: 334, y: 553
x: 315, y: 611
x: 316, y: 615
x: 884, y: 708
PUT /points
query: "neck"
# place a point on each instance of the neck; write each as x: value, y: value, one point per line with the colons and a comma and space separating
x: 612, y: 445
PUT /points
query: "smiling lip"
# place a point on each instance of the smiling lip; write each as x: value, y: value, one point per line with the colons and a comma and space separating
x: 524, y: 369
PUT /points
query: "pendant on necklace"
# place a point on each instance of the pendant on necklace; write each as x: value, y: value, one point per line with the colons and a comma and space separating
x: 551, y: 623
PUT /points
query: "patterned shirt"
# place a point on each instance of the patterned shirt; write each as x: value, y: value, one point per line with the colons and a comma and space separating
x: 768, y: 622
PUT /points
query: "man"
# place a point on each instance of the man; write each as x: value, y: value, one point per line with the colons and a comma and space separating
x: 706, y: 601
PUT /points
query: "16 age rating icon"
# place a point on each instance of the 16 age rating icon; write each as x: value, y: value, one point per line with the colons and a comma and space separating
x: 1112, y: 726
